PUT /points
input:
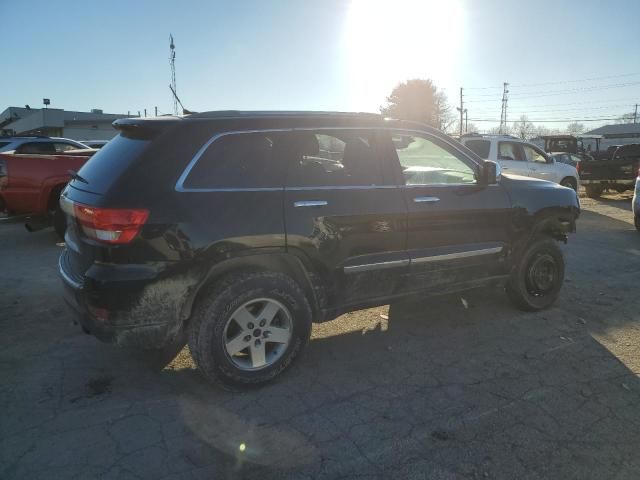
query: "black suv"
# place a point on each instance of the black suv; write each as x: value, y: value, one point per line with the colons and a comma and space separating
x: 235, y: 231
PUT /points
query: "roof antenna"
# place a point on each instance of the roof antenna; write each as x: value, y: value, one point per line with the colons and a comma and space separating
x: 176, y: 99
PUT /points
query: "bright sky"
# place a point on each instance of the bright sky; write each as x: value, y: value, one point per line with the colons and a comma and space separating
x: 324, y: 54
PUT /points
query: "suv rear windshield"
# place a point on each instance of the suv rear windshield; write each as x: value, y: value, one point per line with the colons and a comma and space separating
x: 108, y: 164
x: 479, y: 147
x: 4, y: 144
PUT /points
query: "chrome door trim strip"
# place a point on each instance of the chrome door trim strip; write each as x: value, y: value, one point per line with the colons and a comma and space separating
x: 426, y: 200
x: 458, y: 255
x: 367, y: 267
x: 310, y: 203
x: 179, y: 187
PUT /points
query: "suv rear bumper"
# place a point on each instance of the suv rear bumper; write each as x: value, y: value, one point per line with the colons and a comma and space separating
x: 126, y: 316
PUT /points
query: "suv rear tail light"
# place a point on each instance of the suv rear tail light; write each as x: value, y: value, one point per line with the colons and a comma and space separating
x: 115, y: 226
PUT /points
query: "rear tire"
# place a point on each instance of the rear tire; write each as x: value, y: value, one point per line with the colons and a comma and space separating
x: 249, y: 328
x: 537, y: 279
x: 59, y: 222
x: 594, y: 191
x: 569, y: 182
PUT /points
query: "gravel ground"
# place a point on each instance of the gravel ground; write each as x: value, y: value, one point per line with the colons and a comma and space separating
x: 454, y: 387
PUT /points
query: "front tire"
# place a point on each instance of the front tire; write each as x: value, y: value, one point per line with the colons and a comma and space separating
x: 59, y: 222
x: 569, y: 182
x: 537, y: 279
x: 249, y: 328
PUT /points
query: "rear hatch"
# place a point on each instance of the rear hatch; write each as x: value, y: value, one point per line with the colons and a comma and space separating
x: 92, y: 228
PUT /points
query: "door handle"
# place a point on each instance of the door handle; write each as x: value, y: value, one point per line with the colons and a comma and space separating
x: 310, y: 203
x: 426, y: 199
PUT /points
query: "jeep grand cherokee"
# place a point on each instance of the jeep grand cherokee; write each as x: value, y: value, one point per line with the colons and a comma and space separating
x: 234, y: 231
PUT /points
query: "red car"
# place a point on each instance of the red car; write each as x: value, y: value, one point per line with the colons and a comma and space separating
x: 30, y: 186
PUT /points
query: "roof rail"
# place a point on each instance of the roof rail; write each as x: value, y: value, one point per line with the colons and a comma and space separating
x: 278, y: 113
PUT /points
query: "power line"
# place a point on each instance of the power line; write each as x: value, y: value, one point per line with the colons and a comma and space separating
x: 565, y: 120
x: 561, y: 82
x: 580, y: 109
x: 565, y: 91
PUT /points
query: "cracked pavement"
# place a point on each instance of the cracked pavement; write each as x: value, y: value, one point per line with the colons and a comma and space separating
x: 425, y: 388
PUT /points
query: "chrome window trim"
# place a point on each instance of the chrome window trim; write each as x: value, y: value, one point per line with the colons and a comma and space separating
x: 179, y: 187
x: 458, y: 255
x: 367, y: 267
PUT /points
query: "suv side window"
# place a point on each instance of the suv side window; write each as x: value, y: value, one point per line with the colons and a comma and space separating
x: 243, y: 160
x: 481, y: 148
x: 336, y: 158
x: 426, y: 161
x: 533, y: 155
x: 510, y: 151
x: 36, y: 148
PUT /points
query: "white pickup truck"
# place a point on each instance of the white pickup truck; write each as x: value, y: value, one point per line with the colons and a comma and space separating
x: 521, y: 158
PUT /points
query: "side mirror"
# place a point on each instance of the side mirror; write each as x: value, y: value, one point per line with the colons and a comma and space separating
x: 491, y: 172
x: 550, y: 160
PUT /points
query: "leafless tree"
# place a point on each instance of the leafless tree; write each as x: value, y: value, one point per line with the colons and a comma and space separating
x: 575, y: 128
x: 523, y: 128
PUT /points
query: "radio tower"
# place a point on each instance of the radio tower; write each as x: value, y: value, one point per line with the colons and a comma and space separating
x: 172, y: 62
x: 503, y: 112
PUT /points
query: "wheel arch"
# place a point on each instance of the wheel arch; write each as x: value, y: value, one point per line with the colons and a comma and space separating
x: 289, y: 264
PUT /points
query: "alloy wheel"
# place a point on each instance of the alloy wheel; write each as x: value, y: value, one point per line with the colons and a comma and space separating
x: 257, y: 334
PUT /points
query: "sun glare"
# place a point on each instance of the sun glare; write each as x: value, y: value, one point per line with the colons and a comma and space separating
x: 393, y: 40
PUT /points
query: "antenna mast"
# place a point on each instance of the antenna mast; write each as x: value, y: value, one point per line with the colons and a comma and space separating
x: 172, y: 62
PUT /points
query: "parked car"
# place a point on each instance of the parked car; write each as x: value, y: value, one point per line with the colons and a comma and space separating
x: 618, y: 172
x: 30, y: 186
x: 635, y: 204
x: 235, y: 231
x: 97, y: 144
x: 521, y: 158
x: 39, y: 145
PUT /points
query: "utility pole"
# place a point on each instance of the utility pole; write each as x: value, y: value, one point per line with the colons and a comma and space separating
x: 635, y: 114
x: 466, y: 121
x: 503, y: 112
x: 461, y: 110
x: 156, y: 110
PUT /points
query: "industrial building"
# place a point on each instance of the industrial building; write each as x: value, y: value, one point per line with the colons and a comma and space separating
x: 93, y: 125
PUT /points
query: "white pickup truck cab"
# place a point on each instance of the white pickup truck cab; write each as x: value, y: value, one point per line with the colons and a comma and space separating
x: 521, y: 158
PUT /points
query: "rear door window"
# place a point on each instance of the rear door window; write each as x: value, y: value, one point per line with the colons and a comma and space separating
x: 510, y: 151
x: 336, y: 158
x: 479, y: 147
x: 244, y: 160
